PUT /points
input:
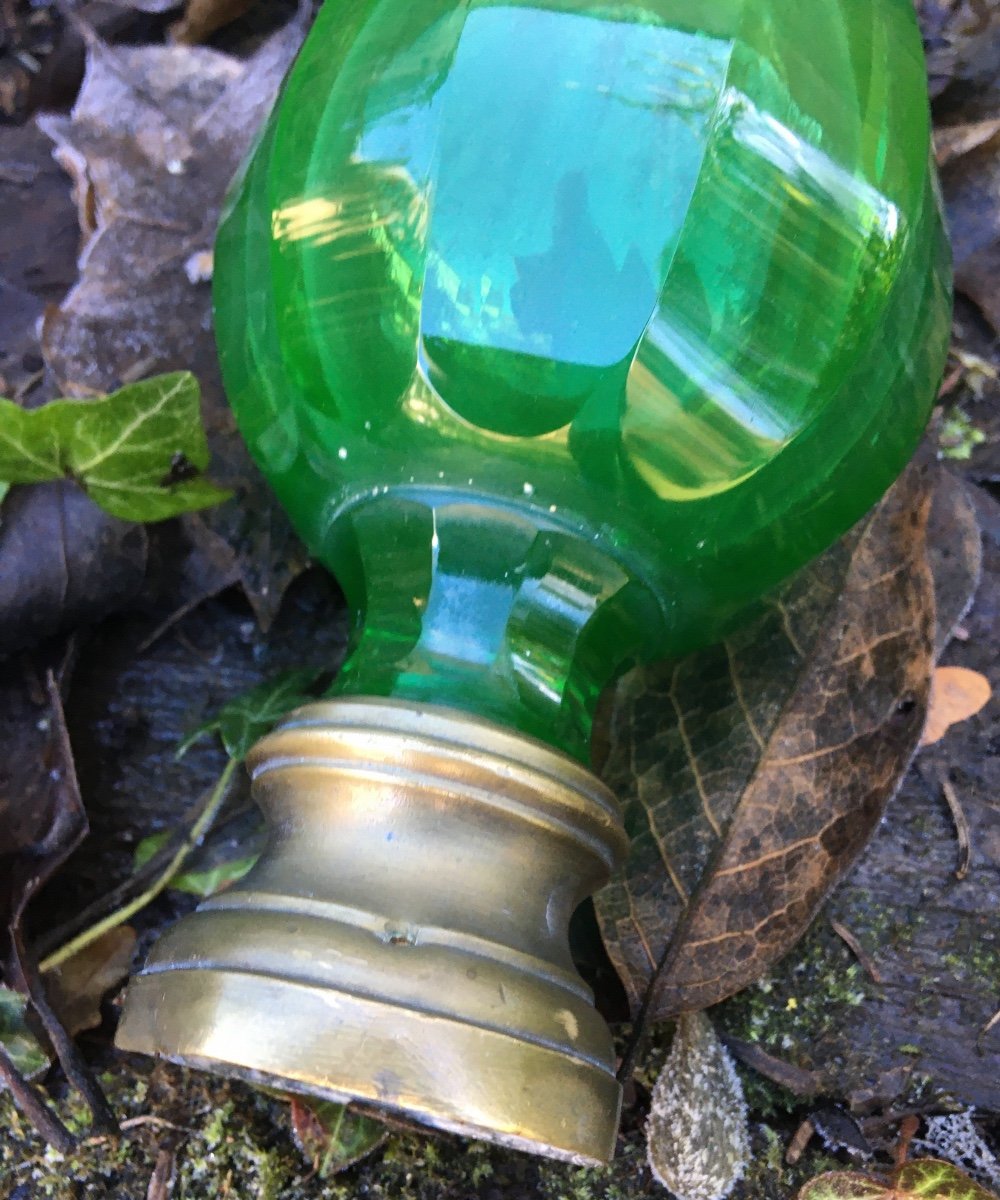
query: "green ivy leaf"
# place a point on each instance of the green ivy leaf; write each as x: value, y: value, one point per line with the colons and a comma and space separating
x: 16, y: 1038
x: 29, y: 445
x: 139, y: 452
x: 332, y: 1136
x: 925, y: 1179
x: 246, y: 719
x: 202, y: 882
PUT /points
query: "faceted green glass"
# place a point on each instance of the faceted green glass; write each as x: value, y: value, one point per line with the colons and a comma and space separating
x: 565, y: 329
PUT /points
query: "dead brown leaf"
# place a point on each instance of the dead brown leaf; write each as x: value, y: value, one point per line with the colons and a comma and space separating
x: 971, y: 184
x: 77, y: 988
x: 153, y: 141
x: 754, y: 773
x: 66, y: 563
x: 203, y: 17
x: 42, y: 819
x: 955, y: 554
x: 952, y: 141
x: 956, y: 695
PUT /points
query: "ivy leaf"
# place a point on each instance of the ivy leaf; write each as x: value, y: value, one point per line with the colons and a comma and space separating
x: 925, y: 1179
x: 698, y: 1140
x: 16, y: 1038
x: 246, y: 719
x: 139, y: 452
x: 202, y: 882
x: 29, y: 450
x: 332, y: 1136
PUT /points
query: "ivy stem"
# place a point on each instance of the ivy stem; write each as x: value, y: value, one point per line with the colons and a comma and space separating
x: 202, y: 824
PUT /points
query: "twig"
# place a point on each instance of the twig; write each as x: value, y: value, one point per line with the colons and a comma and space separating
x: 163, y: 1175
x: 631, y: 1056
x: 961, y: 826
x: 191, y: 842
x: 784, y: 1074
x: 855, y: 947
x: 796, y: 1147
x: 907, y: 1132
x: 990, y: 1025
x: 34, y: 1107
x: 70, y: 1059
x: 52, y: 939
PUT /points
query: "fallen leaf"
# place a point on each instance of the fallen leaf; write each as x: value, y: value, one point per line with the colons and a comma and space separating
x: 161, y: 1182
x: 138, y: 453
x: 925, y: 1179
x: 955, y: 554
x: 952, y: 141
x: 752, y: 774
x: 333, y: 1137
x: 42, y: 819
x: 63, y: 564
x: 203, y: 17
x: 955, y: 1138
x: 956, y: 695
x: 697, y: 1134
x: 77, y: 988
x: 970, y: 184
x: 155, y: 137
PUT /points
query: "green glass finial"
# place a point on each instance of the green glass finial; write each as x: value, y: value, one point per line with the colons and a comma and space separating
x: 564, y: 329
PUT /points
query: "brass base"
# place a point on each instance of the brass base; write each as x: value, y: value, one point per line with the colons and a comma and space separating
x: 404, y: 939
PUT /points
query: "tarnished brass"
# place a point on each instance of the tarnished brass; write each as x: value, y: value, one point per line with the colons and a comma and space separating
x: 404, y: 939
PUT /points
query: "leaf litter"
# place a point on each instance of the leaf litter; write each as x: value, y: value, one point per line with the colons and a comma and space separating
x: 154, y: 139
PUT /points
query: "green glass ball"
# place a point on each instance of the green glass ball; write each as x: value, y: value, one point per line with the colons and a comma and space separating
x: 566, y: 329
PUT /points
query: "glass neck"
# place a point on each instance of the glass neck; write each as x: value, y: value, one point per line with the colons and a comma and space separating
x: 485, y: 609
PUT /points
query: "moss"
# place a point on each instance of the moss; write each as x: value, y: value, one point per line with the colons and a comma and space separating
x: 804, y: 999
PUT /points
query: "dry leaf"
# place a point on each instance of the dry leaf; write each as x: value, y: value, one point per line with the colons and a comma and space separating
x: 77, y: 988
x: 154, y: 139
x: 66, y: 563
x: 970, y: 184
x: 203, y: 17
x: 956, y: 695
x: 754, y: 773
x: 42, y: 819
x: 955, y: 554
x: 697, y: 1135
x: 952, y: 141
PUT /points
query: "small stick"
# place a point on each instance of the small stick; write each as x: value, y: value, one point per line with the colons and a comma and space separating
x: 990, y: 1025
x: 796, y: 1147
x: 70, y: 1058
x: 961, y: 826
x: 858, y: 951
x: 163, y: 1176
x: 907, y: 1131
x: 34, y: 1107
